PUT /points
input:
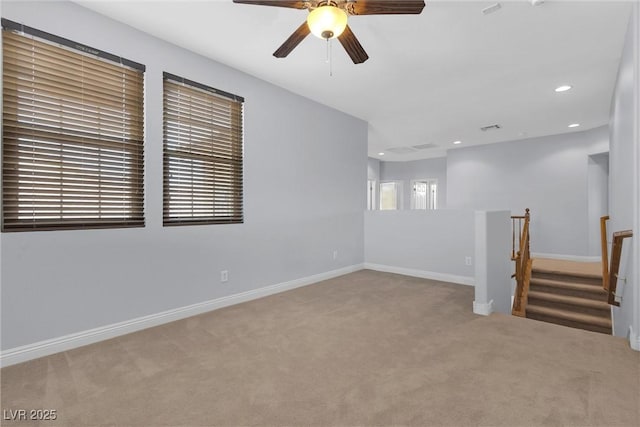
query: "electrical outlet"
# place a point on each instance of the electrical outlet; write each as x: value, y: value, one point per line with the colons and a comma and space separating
x: 335, y: 254
x: 467, y: 260
x: 224, y: 276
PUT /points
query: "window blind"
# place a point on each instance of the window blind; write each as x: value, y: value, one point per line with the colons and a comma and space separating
x: 203, y: 154
x: 72, y: 137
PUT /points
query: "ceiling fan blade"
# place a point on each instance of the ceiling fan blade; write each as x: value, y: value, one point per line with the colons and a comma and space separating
x: 352, y: 46
x: 385, y: 7
x: 295, y: 4
x: 293, y: 41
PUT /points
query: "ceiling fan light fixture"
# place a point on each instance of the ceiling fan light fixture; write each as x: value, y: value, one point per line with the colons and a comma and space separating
x: 327, y: 22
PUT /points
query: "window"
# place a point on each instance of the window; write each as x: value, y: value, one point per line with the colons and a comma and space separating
x: 72, y: 135
x: 388, y: 195
x: 202, y: 154
x: 371, y: 194
x: 424, y: 194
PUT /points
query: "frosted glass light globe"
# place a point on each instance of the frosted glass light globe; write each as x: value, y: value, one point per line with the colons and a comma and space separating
x: 327, y: 22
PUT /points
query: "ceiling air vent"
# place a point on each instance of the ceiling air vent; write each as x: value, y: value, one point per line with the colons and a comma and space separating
x: 491, y: 127
x: 424, y: 146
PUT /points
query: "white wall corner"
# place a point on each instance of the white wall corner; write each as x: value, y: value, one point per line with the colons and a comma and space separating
x: 56, y: 345
x: 613, y: 320
x: 480, y: 254
x: 483, y: 308
x: 634, y: 339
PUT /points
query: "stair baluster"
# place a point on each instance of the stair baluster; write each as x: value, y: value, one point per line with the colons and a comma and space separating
x: 522, y: 262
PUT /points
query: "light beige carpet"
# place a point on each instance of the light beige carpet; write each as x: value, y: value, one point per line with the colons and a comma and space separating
x: 365, y: 349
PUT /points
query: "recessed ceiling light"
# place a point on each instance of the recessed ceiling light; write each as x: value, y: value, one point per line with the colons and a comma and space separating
x: 563, y: 88
x: 457, y: 142
x: 574, y: 125
x: 381, y: 154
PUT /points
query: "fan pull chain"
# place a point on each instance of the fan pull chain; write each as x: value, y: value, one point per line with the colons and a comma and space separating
x: 329, y: 57
x: 327, y: 53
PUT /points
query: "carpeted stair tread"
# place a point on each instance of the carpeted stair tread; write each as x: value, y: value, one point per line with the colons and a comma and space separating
x: 583, y: 275
x: 584, y: 287
x: 589, y: 270
x: 569, y: 316
x: 570, y: 300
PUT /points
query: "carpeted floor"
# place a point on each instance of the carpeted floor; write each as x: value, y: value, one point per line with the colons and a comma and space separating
x: 365, y: 349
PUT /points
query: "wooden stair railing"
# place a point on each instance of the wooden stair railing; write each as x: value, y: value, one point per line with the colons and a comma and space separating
x: 516, y: 224
x: 616, y: 254
x: 523, y: 262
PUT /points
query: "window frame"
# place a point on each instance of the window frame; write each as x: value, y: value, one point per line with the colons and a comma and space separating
x: 216, y: 178
x: 77, y: 129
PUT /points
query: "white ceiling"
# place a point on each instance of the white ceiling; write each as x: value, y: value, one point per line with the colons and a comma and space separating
x: 432, y: 78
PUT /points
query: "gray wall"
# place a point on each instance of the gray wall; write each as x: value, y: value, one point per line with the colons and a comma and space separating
x: 373, y: 172
x: 492, y: 269
x: 423, y: 241
x: 597, y: 198
x: 417, y: 169
x: 373, y: 169
x: 547, y: 175
x: 303, y: 200
x: 623, y: 176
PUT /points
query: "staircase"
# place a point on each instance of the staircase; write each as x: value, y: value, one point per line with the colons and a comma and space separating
x: 570, y: 294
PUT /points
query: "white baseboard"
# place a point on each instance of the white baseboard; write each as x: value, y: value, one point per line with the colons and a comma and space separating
x: 578, y: 258
x: 634, y: 339
x: 483, y: 308
x: 79, y: 339
x: 462, y: 280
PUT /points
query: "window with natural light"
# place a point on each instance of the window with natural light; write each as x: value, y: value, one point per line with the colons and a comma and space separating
x: 72, y: 145
x: 388, y: 196
x: 203, y: 154
x: 424, y: 194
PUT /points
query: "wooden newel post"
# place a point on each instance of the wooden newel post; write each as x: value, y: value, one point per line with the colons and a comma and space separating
x: 526, y: 220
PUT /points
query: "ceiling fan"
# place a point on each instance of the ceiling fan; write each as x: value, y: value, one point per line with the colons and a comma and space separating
x: 327, y: 19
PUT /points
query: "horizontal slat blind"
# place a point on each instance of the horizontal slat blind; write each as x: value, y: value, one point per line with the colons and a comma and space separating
x: 202, y: 155
x: 72, y: 139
